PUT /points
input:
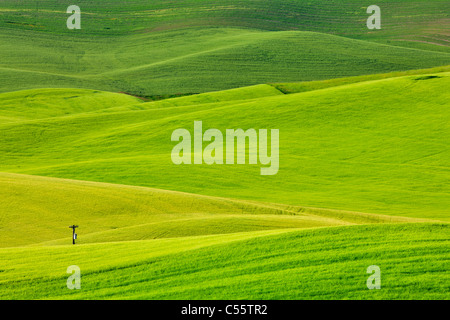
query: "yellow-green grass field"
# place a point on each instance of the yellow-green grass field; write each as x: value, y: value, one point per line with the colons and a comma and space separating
x: 35, y: 209
x: 321, y: 263
x: 363, y: 181
x: 377, y: 146
x: 86, y: 118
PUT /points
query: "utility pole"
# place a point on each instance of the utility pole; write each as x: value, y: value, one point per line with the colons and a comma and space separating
x: 74, y: 235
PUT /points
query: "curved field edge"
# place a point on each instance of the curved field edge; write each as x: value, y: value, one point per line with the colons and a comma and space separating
x: 327, y: 263
x: 42, y: 103
x: 375, y: 146
x: 419, y: 23
x: 196, y: 60
x: 38, y: 210
x: 297, y: 87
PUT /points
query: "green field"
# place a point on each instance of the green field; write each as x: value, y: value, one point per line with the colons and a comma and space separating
x: 352, y: 147
x: 53, y: 132
x: 325, y: 263
x: 195, y: 60
x: 111, y: 212
x: 86, y: 118
x: 161, y: 48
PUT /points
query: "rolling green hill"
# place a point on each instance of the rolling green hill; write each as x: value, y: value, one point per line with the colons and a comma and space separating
x: 303, y: 86
x: 194, y: 60
x: 34, y: 209
x: 358, y: 146
x: 86, y: 119
x: 421, y: 22
x: 375, y: 146
x: 326, y: 263
x: 163, y: 48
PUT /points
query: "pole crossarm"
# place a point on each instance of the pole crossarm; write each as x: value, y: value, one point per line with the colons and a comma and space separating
x: 73, y: 233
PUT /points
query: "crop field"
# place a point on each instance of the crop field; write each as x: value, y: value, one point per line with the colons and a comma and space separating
x: 339, y: 148
x: 325, y: 263
x: 162, y: 48
x: 87, y: 120
x: 196, y: 60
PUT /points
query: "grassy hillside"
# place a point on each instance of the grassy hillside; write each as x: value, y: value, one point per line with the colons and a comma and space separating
x: 327, y: 263
x: 375, y: 146
x: 423, y: 22
x: 86, y: 119
x: 166, y: 48
x: 47, y: 103
x: 38, y: 210
x: 194, y: 60
x: 142, y: 243
x: 303, y: 86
